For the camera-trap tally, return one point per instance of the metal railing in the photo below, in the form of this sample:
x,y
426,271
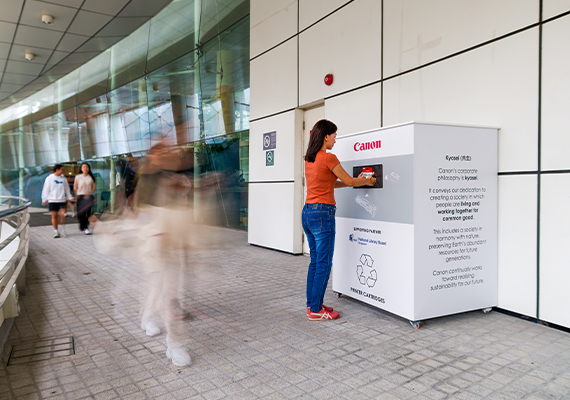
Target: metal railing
x,y
14,212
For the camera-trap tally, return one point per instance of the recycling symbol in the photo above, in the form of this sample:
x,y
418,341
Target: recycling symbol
x,y
368,276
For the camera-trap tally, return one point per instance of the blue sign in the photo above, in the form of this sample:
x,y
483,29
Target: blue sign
x,y
269,140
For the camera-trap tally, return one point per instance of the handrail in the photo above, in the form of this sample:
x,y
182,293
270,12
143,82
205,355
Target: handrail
x,y
18,217
24,203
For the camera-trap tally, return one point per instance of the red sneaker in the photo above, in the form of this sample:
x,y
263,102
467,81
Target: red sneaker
x,y
327,309
322,315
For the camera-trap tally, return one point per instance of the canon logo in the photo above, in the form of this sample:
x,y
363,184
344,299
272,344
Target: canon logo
x,y
367,146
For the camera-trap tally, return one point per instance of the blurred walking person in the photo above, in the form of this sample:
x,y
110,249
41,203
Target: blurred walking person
x,y
162,205
84,187
56,194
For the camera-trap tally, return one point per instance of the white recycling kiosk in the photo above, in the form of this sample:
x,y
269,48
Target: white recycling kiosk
x,y
422,243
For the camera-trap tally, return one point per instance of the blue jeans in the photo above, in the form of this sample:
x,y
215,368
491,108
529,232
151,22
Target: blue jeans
x,y
319,226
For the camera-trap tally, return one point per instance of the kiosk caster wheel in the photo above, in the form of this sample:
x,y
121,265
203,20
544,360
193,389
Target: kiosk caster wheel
x,y
337,294
416,324
487,310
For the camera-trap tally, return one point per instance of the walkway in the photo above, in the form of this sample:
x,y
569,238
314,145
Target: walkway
x,y
249,337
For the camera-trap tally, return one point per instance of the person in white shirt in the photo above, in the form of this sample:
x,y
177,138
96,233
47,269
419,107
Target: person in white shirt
x,y
84,187
55,193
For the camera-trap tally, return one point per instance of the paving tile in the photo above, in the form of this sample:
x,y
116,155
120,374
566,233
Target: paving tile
x,y
239,354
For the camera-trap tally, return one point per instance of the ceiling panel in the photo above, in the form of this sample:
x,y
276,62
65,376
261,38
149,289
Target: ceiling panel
x,y
33,10
122,26
88,23
10,87
37,37
11,10
70,42
63,69
35,87
4,50
143,8
24,67
79,58
52,76
110,7
7,30
45,80
99,44
80,31
56,57
18,53
68,3
17,79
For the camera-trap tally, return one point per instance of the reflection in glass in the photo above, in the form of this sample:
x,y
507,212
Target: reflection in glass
x,y
110,111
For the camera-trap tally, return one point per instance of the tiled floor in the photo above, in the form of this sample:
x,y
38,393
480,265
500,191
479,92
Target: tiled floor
x,y
249,336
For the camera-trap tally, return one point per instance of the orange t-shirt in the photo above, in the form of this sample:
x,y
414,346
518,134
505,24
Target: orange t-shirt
x,y
320,178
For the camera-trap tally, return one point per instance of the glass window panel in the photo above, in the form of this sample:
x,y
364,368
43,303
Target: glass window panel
x,y
128,57
224,67
217,16
93,77
9,149
174,108
67,124
93,120
41,103
172,32
45,142
66,90
33,184
128,109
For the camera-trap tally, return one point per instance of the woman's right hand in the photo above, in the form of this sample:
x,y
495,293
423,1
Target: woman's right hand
x,y
371,180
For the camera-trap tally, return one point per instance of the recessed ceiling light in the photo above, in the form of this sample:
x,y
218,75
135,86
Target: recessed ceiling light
x,y
47,19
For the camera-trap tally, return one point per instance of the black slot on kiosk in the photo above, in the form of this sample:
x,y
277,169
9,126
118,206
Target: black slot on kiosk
x,y
366,170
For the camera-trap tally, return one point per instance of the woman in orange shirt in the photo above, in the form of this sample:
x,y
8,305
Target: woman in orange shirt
x,y
322,174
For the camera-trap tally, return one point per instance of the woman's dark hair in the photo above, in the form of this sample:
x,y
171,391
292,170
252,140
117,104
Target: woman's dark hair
x,y
90,173
321,129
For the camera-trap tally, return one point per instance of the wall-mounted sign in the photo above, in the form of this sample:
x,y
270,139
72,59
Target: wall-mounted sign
x,y
269,140
269,158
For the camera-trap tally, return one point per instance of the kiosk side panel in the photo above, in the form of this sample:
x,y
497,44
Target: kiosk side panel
x,y
455,209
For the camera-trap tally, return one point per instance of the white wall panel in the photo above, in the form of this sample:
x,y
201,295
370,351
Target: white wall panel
x,y
555,133
494,85
310,11
551,8
554,295
271,22
275,216
287,159
346,44
273,80
418,31
356,111
517,243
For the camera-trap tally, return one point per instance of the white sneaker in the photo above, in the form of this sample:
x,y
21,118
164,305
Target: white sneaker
x,y
150,327
179,356
87,231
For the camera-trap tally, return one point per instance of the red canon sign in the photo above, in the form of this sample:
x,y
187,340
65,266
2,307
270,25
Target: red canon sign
x,y
367,146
